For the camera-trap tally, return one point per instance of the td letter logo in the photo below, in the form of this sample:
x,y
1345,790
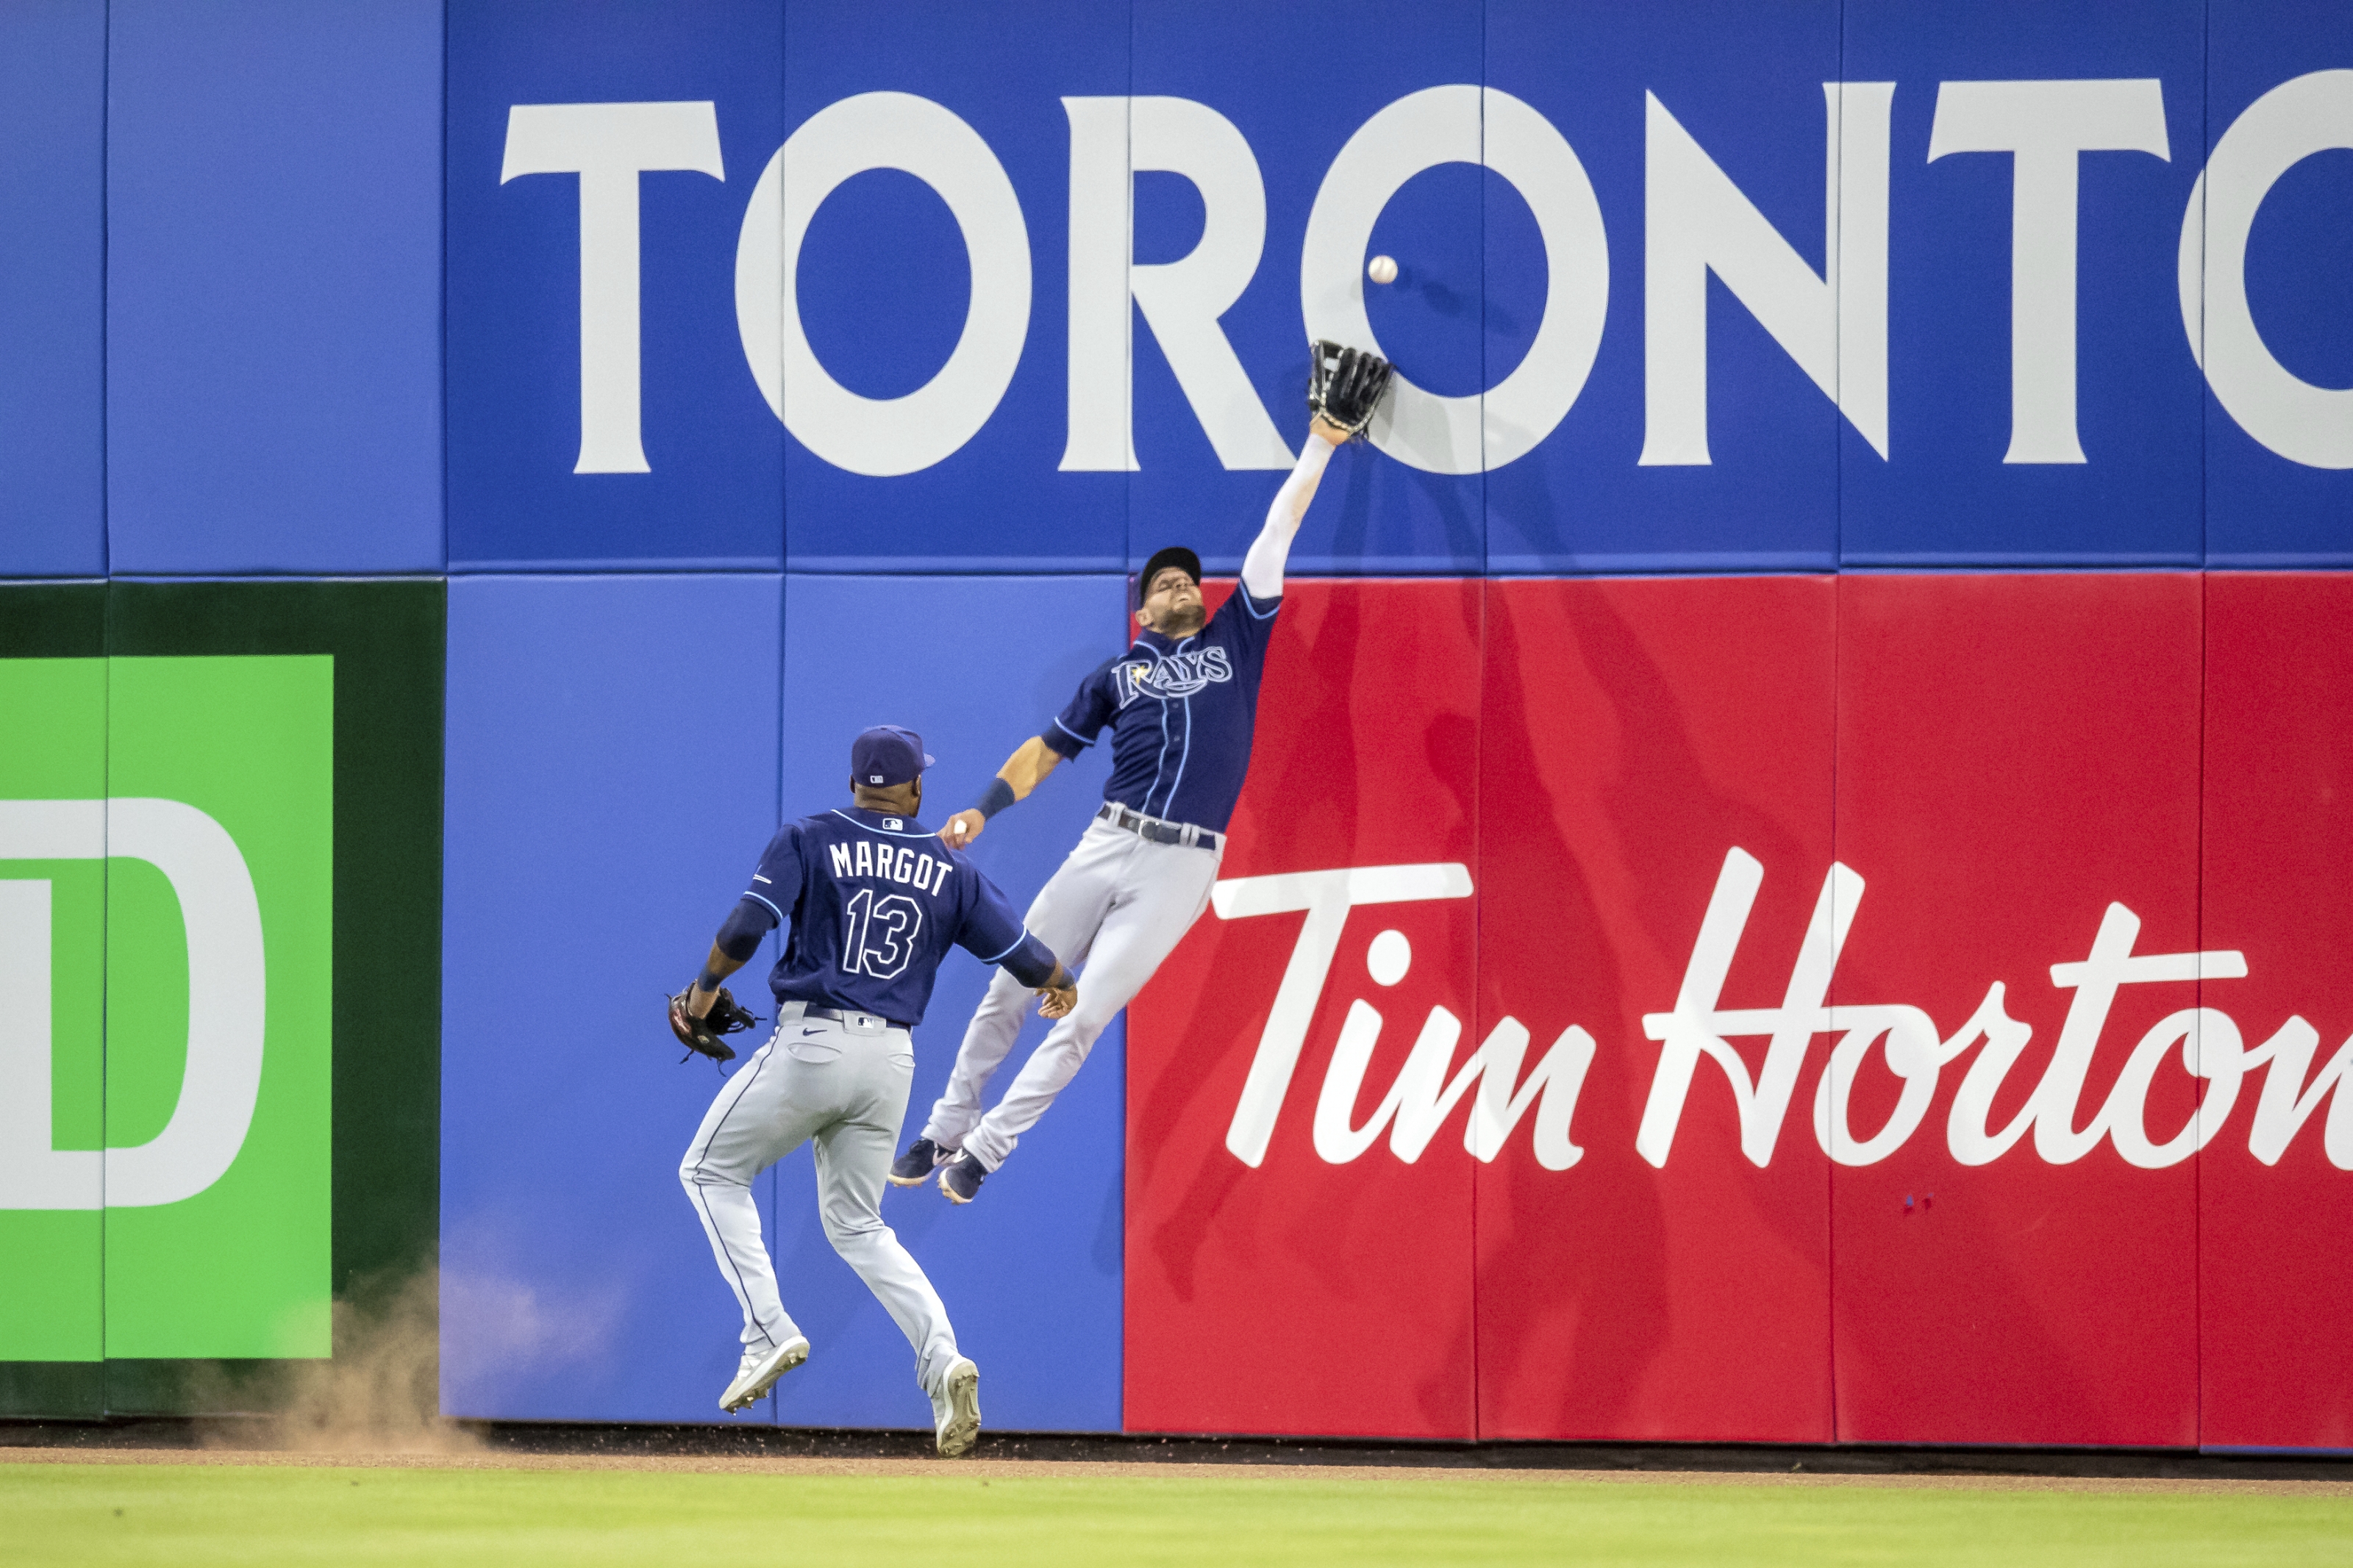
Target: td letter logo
x,y
222,922
166,912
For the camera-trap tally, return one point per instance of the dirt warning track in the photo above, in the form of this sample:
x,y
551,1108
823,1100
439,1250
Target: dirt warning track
x,y
478,1458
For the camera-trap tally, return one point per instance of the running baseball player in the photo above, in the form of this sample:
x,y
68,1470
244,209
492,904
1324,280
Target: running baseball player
x,y
874,901
1181,704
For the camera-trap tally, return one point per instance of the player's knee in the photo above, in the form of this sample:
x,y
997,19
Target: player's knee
x,y
849,1229
695,1171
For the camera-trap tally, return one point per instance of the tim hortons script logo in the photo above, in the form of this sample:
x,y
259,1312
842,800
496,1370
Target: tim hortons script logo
x,y
1423,1095
2207,1040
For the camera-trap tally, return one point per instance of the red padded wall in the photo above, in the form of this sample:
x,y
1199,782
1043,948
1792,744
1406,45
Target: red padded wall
x,y
2275,1272
2014,753
2001,768
1301,1295
1636,731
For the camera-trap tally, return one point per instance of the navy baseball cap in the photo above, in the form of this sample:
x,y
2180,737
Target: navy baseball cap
x,y
887,754
1175,555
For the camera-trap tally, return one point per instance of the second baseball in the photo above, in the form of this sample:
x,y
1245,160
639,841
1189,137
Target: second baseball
x,y
1381,269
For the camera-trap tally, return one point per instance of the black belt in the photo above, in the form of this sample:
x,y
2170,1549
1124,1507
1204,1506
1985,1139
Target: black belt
x,y
838,1016
1156,830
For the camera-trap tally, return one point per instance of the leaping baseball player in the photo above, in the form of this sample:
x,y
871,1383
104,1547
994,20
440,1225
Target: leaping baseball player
x,y
874,901
1181,704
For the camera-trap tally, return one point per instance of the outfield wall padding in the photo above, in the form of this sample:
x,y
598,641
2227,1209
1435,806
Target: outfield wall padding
x,y
1869,469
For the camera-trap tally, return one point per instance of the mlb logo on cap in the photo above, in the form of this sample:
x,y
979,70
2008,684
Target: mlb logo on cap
x,y
887,754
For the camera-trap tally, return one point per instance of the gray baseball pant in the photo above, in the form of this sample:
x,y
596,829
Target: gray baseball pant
x,y
1118,905
842,1085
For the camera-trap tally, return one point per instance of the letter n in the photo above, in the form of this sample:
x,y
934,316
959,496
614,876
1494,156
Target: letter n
x,y
1834,324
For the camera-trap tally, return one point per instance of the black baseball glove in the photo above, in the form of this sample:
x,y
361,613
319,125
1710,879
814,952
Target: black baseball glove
x,y
700,1035
1344,386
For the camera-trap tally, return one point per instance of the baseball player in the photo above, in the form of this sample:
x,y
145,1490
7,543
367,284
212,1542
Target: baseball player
x,y
874,901
1181,704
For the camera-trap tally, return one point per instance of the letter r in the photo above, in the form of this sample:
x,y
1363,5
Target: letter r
x,y
1113,140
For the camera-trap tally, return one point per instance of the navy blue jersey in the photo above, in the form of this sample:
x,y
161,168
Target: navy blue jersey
x,y
875,902
1182,713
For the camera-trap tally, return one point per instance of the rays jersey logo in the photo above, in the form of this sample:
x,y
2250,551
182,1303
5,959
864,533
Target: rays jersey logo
x,y
1174,675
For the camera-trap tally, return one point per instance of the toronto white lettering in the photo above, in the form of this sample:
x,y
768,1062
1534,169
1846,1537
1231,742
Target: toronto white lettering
x,y
2301,421
608,145
1697,224
2045,126
1113,140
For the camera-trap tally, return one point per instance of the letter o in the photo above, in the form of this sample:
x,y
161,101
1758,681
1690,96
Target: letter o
x,y
1464,124
891,435
2303,423
2211,1049
1914,1054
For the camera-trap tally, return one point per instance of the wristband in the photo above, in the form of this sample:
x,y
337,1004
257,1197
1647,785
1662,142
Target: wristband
x,y
706,981
994,799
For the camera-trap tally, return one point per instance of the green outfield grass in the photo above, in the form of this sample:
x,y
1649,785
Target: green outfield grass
x,y
188,1515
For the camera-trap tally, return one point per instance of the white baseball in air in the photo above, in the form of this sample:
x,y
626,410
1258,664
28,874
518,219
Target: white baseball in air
x,y
1381,269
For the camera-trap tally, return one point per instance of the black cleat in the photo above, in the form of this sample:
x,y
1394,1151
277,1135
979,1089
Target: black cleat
x,y
914,1167
961,1179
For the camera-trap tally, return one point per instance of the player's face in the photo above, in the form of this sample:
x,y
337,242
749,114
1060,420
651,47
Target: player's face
x,y
1172,605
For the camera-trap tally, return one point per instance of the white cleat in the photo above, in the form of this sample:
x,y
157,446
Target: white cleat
x,y
760,1371
957,1412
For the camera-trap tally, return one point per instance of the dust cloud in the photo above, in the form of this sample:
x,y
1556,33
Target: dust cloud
x,y
379,1394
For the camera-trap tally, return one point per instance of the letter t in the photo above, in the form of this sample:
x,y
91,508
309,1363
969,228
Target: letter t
x,y
2111,966
608,145
2043,125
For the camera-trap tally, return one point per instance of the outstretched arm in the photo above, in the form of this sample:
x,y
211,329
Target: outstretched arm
x,y
1262,567
1024,771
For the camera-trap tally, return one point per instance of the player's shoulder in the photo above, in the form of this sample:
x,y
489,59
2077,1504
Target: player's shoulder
x,y
821,827
1241,613
788,834
1134,649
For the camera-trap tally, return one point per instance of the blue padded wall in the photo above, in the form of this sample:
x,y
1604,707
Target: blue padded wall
x,y
885,283
884,286
1944,494
2262,509
712,496
53,289
1031,1276
612,778
273,341
1744,81
1247,63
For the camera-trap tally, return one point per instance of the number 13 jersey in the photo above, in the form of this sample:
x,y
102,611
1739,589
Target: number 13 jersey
x,y
874,903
